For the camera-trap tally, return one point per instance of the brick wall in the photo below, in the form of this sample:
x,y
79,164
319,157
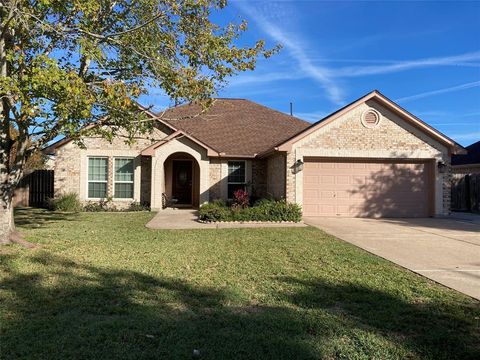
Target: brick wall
x,y
71,167
276,176
215,179
347,137
259,178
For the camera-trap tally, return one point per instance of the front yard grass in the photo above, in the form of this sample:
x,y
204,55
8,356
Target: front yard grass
x,y
102,286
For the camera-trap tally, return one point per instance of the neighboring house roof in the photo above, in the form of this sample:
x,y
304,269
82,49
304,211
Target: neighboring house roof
x,y
235,127
472,156
386,102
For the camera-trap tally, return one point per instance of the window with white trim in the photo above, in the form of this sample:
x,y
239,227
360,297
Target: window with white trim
x,y
123,178
97,177
236,177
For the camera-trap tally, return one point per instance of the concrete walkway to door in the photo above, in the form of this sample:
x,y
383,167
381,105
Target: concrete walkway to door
x,y
446,250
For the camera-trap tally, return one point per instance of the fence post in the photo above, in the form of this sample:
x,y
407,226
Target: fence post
x,y
468,198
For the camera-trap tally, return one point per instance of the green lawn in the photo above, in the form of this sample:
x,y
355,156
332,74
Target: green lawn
x,y
102,286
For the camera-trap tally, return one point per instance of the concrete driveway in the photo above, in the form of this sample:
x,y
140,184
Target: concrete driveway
x,y
446,250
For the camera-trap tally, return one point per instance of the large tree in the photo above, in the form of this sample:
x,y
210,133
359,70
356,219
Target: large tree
x,y
67,64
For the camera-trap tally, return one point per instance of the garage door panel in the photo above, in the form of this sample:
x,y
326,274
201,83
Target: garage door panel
x,y
327,195
311,196
343,195
342,179
312,179
366,188
327,179
326,165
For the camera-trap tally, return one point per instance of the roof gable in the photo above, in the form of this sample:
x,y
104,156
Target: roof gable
x,y
387,103
150,150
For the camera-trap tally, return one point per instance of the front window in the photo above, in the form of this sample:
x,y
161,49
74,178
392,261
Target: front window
x,y
236,177
97,177
123,180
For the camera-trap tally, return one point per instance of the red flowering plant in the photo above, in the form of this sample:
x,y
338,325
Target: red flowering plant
x,y
241,199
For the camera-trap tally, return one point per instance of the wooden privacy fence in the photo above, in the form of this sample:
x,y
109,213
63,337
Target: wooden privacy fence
x,y
34,189
466,192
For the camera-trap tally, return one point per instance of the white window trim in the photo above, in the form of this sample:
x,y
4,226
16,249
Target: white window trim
x,y
244,175
96,181
124,182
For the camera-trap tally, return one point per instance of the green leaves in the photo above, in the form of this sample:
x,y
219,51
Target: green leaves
x,y
72,63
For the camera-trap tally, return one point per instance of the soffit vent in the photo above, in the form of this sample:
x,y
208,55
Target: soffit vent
x,y
370,118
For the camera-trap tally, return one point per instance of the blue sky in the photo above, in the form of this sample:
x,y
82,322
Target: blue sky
x,y
425,55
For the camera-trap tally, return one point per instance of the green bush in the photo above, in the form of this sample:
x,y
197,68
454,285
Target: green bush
x,y
136,206
67,202
263,210
215,212
94,207
101,205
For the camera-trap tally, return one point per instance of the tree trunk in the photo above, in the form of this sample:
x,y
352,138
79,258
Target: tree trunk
x,y
8,233
7,224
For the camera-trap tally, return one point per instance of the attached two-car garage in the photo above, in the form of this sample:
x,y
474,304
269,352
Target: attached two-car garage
x,y
367,188
371,158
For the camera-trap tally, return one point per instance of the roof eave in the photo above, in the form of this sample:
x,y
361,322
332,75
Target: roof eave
x,y
453,147
150,150
268,152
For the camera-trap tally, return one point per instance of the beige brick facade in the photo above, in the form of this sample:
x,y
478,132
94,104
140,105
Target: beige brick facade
x,y
259,178
347,137
276,176
216,188
71,165
218,176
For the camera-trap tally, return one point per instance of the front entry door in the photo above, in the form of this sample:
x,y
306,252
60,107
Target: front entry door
x,y
182,182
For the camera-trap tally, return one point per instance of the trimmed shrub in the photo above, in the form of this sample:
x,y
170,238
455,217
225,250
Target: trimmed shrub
x,y
136,206
214,212
101,205
67,202
263,210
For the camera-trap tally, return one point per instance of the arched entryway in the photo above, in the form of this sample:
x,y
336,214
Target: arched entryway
x,y
182,179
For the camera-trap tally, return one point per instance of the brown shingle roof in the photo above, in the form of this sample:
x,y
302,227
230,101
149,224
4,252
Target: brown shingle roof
x,y
235,126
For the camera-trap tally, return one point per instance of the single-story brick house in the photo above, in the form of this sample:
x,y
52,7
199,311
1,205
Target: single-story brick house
x,y
370,158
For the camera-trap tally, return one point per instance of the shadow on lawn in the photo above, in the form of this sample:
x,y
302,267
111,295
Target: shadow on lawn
x,y
33,218
437,330
71,310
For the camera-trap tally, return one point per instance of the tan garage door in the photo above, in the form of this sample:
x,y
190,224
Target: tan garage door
x,y
367,188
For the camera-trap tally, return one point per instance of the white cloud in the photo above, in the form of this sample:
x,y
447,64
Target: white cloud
x,y
353,71
241,80
443,114
291,42
474,136
440,91
278,20
310,116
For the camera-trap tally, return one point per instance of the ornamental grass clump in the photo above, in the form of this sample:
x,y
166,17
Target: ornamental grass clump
x,y
66,203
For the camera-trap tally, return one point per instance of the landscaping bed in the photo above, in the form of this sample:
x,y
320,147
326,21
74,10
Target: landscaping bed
x,y
241,211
